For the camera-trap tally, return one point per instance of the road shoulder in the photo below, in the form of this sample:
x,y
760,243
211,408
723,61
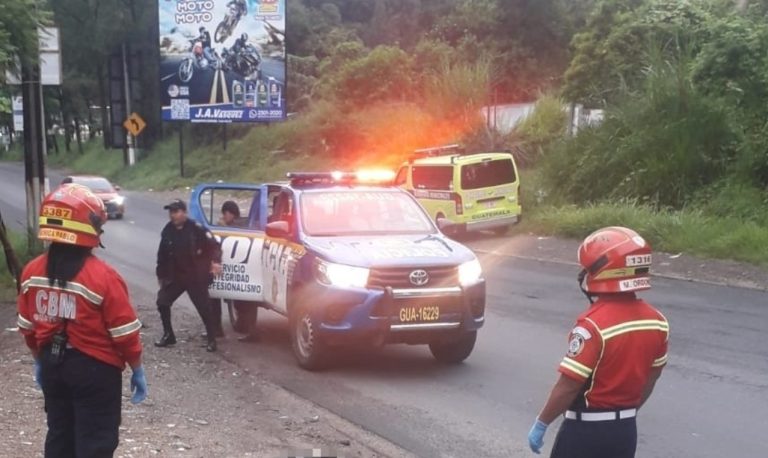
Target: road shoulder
x,y
678,266
199,404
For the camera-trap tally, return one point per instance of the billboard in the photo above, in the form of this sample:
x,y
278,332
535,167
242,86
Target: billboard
x,y
222,61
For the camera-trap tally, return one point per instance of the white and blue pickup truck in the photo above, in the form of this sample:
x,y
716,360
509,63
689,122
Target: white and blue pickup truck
x,y
346,263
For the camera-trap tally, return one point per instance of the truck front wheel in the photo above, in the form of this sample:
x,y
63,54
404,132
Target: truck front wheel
x,y
308,348
454,350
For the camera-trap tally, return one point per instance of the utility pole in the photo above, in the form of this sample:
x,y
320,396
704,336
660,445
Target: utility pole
x,y
42,151
34,146
130,157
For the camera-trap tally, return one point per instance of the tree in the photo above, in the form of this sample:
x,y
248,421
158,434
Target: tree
x,y
608,54
527,40
384,74
19,20
91,30
733,62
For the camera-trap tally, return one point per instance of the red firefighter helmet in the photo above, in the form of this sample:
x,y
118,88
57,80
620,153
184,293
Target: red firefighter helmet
x,y
615,260
72,214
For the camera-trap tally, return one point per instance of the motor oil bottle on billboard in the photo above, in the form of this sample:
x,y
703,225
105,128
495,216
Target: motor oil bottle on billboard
x,y
250,94
275,94
262,94
238,93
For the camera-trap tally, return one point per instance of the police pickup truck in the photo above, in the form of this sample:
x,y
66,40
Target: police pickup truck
x,y
346,263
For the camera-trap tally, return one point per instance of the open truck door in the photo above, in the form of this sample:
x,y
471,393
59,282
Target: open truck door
x,y
241,241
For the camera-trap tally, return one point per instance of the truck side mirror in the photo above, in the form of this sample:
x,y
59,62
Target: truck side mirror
x,y
278,230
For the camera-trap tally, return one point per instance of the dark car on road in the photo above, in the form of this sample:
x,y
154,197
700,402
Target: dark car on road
x,y
114,202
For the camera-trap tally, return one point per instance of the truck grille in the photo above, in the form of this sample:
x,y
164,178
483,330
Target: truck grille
x,y
400,277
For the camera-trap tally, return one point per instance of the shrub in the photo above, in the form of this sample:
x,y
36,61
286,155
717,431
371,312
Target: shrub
x,y
658,146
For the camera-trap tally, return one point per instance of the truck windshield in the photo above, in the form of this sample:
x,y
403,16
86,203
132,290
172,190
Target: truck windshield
x,y
362,213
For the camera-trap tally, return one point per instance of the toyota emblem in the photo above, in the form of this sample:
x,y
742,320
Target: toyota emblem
x,y
419,277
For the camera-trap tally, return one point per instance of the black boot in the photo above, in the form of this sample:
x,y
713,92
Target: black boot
x,y
167,340
168,337
211,345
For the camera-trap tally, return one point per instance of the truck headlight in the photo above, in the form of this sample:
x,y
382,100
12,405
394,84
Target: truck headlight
x,y
470,272
342,276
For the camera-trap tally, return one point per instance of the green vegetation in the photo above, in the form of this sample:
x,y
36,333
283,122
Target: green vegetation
x,y
690,231
681,153
7,283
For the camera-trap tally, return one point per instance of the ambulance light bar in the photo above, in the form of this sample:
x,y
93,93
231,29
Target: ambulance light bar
x,y
454,148
445,150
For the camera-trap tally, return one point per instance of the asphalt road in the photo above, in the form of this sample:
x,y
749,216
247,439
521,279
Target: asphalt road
x,y
709,403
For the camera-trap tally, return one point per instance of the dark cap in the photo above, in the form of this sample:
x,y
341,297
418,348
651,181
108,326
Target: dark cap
x,y
231,207
176,204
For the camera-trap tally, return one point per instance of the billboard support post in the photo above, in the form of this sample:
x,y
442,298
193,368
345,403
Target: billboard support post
x,y
181,149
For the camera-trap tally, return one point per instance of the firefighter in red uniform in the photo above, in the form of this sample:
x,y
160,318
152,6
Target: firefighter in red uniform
x,y
77,320
616,352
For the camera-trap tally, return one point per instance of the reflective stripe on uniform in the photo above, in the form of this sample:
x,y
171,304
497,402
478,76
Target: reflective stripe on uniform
x,y
72,287
659,361
631,326
575,366
24,323
68,224
125,329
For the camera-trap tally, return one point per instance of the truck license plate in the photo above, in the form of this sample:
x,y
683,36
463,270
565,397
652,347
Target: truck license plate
x,y
423,314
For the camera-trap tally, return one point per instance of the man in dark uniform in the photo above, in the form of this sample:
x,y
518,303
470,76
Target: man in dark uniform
x,y
247,313
187,260
616,352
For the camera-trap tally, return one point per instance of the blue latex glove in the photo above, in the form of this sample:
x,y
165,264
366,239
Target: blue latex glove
x,y
38,374
138,385
536,436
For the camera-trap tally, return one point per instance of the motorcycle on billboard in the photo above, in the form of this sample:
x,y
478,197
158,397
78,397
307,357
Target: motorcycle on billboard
x,y
198,60
237,9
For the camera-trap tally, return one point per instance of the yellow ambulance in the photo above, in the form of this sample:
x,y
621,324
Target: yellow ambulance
x,y
464,192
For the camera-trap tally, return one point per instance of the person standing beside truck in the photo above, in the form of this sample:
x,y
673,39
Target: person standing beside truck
x,y
187,260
